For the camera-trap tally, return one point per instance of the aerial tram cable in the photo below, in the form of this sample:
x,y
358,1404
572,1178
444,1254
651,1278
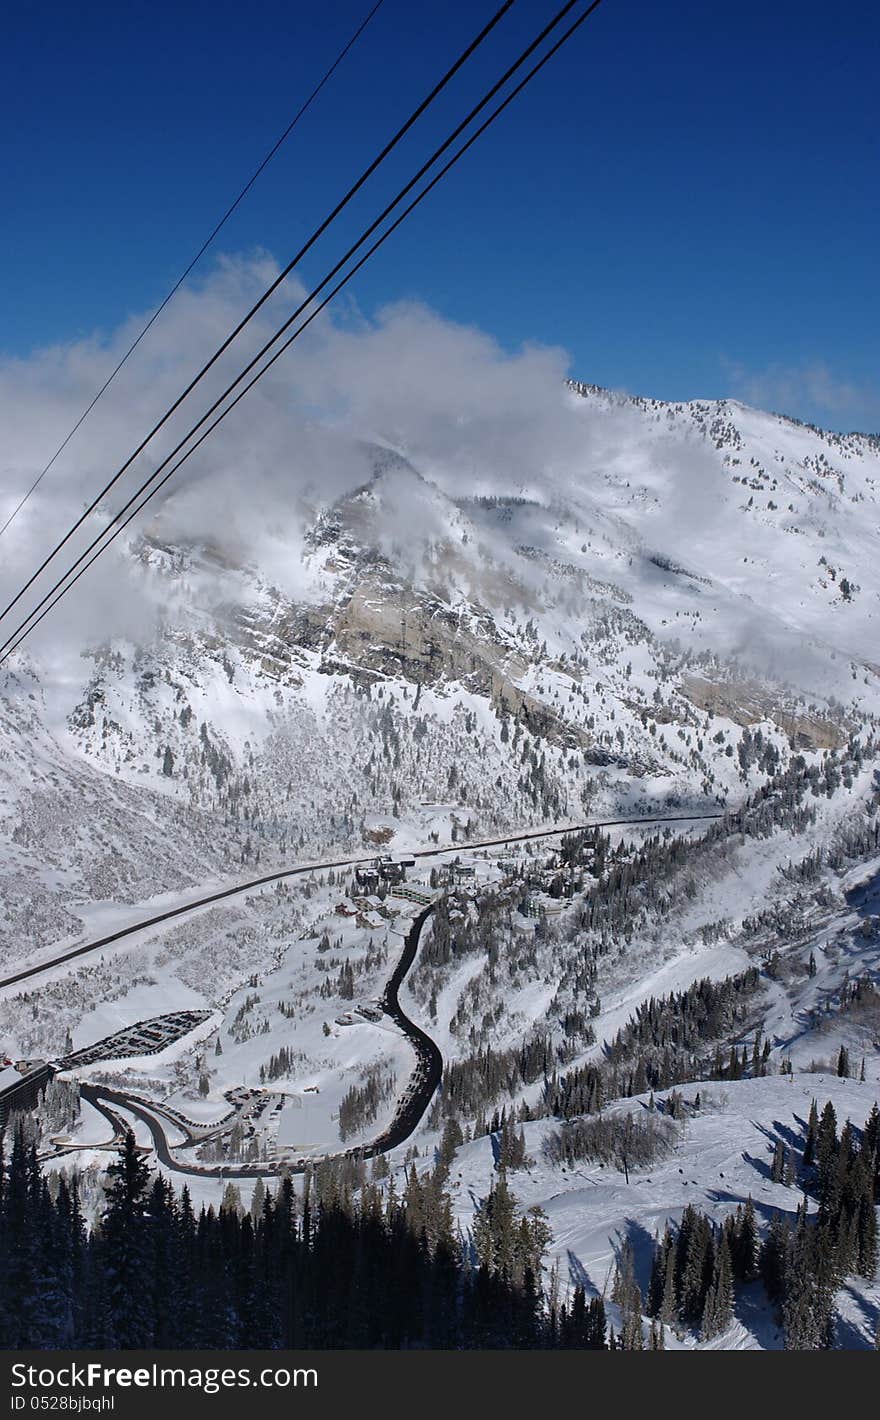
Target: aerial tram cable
x,y
319,231
300,113
55,594
60,590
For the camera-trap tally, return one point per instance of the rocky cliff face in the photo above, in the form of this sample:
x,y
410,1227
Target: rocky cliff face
x,y
669,626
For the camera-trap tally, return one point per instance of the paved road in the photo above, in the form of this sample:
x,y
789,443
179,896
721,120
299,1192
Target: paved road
x,y
429,1066
410,1109
118,1124
302,869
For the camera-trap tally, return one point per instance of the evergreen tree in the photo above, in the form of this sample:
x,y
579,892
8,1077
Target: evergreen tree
x,y
745,1256
694,1263
718,1306
826,1148
123,1250
774,1252
798,1294
812,1135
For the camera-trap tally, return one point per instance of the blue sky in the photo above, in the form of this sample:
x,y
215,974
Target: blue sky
x,y
686,200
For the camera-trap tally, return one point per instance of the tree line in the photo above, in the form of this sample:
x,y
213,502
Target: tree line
x,y
346,1264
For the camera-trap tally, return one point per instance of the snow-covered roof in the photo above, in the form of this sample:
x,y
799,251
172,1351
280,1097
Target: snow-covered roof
x,y
9,1076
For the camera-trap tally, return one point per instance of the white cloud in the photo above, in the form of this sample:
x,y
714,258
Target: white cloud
x,y
470,415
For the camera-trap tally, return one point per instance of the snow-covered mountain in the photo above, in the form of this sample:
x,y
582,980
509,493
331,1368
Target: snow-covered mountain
x,y
675,612
518,654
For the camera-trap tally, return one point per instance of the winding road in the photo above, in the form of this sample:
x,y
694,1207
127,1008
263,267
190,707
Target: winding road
x,y
410,1109
429,1062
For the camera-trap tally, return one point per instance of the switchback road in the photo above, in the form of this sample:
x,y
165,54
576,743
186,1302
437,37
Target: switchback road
x,y
429,1067
410,1109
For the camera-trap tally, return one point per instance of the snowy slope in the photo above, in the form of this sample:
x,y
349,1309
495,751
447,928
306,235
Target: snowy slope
x,y
676,615
722,1157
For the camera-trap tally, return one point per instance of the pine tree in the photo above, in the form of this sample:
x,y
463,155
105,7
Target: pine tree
x,y
596,1325
19,1251
774,1251
659,1262
708,1323
631,1337
123,1248
450,1140
746,1261
812,1136
626,1293
826,1148
669,1304
258,1200
694,1263
231,1201
871,1146
721,1290
495,1229
867,1235
624,1273
798,1308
